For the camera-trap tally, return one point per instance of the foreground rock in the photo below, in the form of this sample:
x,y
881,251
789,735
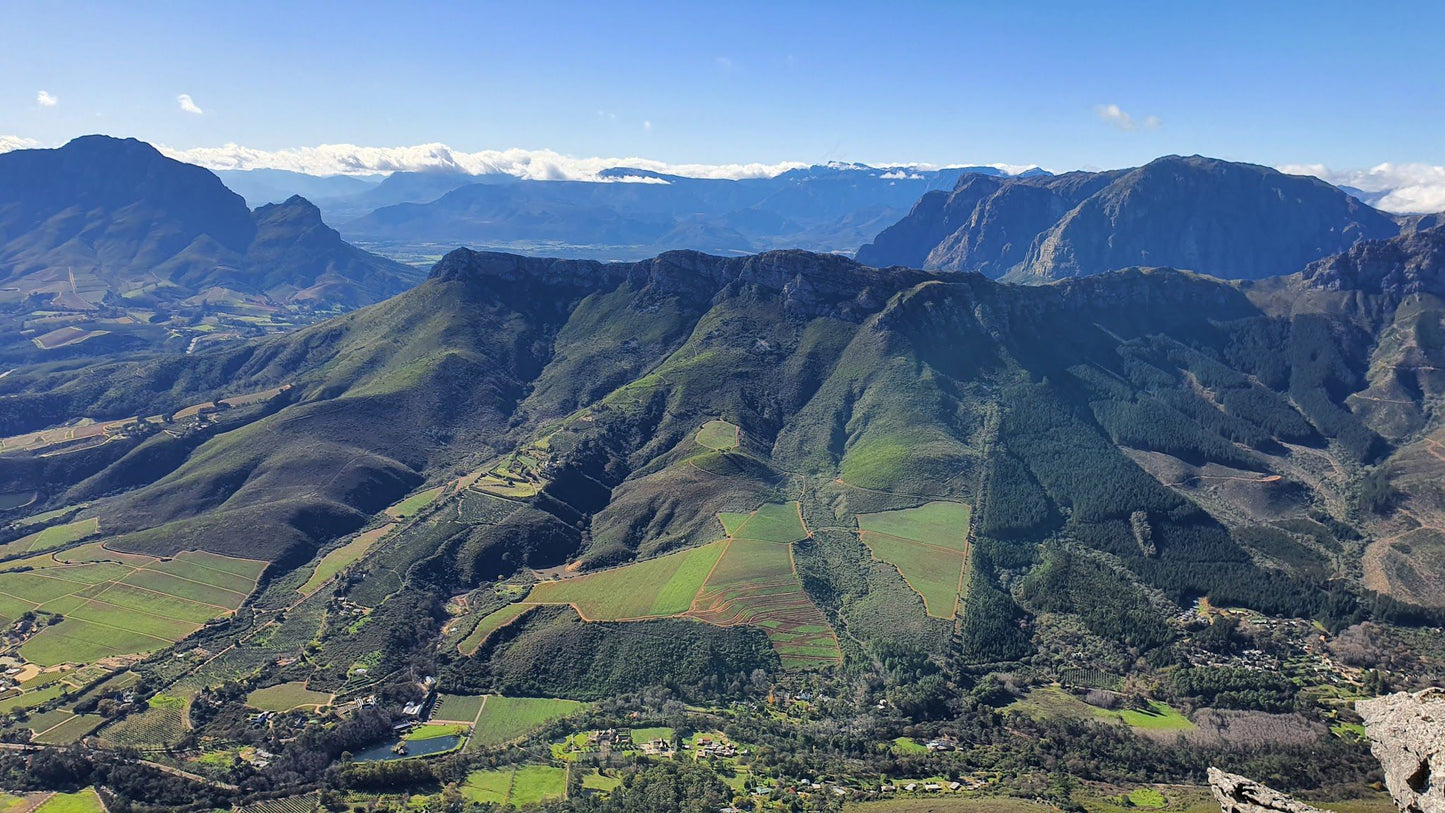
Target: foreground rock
x,y
1407,735
1236,794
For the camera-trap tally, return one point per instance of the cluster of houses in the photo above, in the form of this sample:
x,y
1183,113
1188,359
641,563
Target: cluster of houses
x,y
922,787
709,747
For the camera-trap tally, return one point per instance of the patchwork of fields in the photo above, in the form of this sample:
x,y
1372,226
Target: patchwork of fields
x,y
747,579
56,536
928,545
755,584
117,603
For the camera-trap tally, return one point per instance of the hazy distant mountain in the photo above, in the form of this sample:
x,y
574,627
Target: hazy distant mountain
x,y
1230,220
104,220
632,213
262,186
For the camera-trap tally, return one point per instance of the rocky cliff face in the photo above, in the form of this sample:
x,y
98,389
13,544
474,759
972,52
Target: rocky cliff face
x,y
1236,794
1407,735
1230,220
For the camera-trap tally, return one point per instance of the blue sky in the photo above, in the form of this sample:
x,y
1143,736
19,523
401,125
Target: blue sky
x,y
1339,84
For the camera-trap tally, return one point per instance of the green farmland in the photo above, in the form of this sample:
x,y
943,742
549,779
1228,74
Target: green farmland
x,y
116,604
504,719
718,435
522,785
927,545
772,522
286,696
489,624
649,589
340,558
754,584
56,536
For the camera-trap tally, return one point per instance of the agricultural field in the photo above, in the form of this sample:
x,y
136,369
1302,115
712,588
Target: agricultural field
x,y
489,624
163,723
504,719
287,696
928,546
458,708
1052,701
56,536
84,801
772,522
432,731
754,584
415,503
65,728
652,588
523,785
339,559
116,604
718,435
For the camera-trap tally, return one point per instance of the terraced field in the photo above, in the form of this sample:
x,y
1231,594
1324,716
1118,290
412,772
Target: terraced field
x,y
928,545
489,624
754,584
117,603
653,588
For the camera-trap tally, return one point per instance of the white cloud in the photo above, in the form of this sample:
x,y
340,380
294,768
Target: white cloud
x,y
1404,188
1115,115
44,99
188,105
12,142
351,159
647,125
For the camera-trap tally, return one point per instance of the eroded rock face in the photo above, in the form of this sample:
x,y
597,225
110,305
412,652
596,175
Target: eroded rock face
x,y
1407,735
1236,794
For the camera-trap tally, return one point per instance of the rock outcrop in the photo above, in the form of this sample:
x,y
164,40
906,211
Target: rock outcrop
x,y
1237,794
1407,735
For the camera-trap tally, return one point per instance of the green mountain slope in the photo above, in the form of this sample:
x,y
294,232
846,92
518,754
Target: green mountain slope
x,y
1174,434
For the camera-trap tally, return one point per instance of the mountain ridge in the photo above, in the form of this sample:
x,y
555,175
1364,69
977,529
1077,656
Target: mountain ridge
x,y
1227,219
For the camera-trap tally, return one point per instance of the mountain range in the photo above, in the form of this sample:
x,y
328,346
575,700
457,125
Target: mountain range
x,y
1230,220
629,213
103,218
107,245
1132,518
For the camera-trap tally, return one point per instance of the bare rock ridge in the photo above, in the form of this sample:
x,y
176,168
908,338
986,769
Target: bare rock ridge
x,y
1407,735
1236,794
